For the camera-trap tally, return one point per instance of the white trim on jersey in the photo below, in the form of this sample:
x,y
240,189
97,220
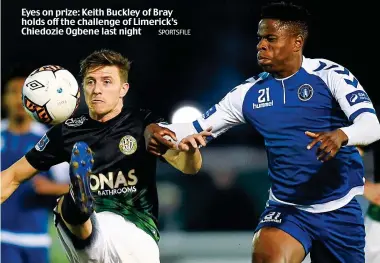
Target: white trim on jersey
x,y
364,131
221,117
351,97
227,113
342,84
325,207
25,240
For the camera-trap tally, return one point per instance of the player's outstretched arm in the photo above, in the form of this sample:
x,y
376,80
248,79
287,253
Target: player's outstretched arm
x,y
184,155
12,177
187,157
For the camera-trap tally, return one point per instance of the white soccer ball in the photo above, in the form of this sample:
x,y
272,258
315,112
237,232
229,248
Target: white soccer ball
x,y
50,94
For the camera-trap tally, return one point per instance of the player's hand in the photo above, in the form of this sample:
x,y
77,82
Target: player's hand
x,y
155,142
372,192
192,142
331,142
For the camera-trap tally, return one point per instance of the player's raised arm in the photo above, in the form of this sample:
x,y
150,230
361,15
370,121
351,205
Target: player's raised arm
x,y
171,140
12,177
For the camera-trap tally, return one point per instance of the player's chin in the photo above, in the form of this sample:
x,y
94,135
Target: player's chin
x,y
99,109
264,62
267,67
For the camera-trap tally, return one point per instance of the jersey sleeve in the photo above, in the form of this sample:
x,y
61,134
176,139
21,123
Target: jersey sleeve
x,y
48,151
225,114
221,117
349,93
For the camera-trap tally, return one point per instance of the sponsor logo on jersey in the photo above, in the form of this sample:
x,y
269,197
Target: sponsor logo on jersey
x,y
305,92
273,217
263,100
209,112
357,96
41,145
114,183
128,145
262,105
75,122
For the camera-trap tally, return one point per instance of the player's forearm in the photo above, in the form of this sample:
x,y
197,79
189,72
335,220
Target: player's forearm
x,y
365,130
186,162
54,189
8,184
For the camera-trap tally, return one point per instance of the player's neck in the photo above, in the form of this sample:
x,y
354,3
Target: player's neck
x,y
291,67
108,116
19,127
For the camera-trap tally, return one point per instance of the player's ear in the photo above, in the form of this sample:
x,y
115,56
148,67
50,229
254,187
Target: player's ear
x,y
298,43
124,89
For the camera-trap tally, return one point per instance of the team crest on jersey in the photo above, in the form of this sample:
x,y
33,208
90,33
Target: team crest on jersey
x,y
128,145
41,145
305,92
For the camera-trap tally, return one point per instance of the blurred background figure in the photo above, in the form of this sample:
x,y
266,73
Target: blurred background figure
x,y
25,216
372,217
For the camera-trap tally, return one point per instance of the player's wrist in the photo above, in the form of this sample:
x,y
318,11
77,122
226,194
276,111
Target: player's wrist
x,y
343,136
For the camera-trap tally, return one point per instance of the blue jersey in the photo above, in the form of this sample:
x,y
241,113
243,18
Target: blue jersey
x,y
321,96
24,216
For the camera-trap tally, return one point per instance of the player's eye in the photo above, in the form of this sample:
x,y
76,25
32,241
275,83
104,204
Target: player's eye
x,y
90,82
107,81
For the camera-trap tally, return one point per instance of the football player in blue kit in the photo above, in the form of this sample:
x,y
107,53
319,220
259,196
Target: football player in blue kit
x,y
24,218
312,113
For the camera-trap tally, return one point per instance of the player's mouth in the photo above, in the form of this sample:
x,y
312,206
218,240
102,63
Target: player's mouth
x,y
96,101
263,60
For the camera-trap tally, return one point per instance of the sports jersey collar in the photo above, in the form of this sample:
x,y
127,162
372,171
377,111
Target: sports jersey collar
x,y
114,119
288,77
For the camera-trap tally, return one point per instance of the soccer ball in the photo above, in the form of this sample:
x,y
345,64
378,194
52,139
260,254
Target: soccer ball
x,y
50,94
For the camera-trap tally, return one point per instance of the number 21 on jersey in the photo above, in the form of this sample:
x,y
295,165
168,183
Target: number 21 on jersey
x,y
263,95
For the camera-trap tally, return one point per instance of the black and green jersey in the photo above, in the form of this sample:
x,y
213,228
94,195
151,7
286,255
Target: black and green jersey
x,y
123,179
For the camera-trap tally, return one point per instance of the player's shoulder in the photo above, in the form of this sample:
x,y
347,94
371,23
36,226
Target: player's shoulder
x,y
260,78
251,82
135,111
324,67
329,71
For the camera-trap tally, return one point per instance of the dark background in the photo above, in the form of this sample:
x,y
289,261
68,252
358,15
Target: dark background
x,y
199,69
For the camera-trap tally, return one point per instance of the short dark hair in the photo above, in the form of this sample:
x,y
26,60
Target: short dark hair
x,y
290,14
104,58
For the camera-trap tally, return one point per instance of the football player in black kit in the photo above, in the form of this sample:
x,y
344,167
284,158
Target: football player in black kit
x,y
110,213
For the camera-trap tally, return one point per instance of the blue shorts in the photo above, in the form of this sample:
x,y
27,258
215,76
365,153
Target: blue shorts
x,y
335,236
17,254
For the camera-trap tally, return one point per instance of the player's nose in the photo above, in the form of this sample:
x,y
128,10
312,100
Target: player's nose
x,y
97,89
261,45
